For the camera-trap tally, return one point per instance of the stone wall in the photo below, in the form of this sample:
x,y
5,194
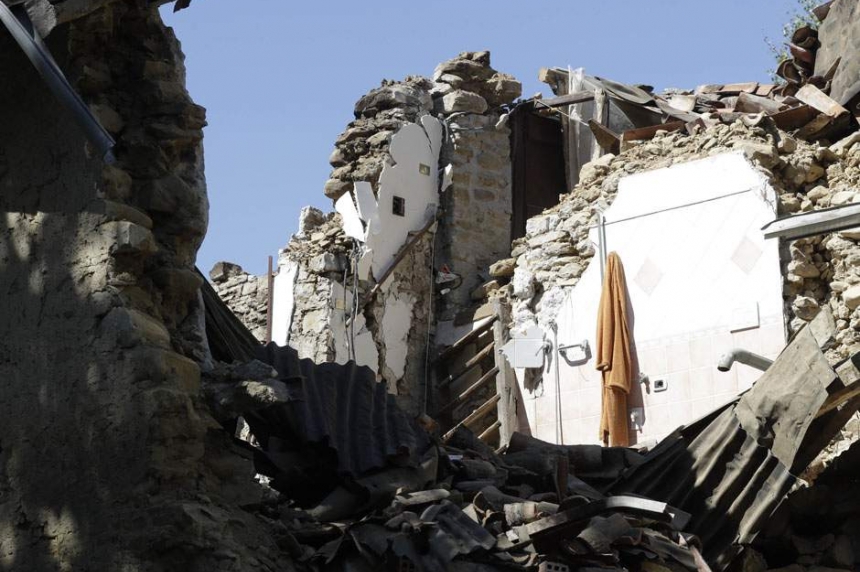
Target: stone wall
x,y
469,96
477,224
108,458
817,272
245,294
321,252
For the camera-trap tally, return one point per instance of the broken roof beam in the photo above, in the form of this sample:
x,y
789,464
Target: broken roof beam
x,y
608,140
562,100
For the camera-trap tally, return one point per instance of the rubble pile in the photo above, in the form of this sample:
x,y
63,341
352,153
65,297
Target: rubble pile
x,y
518,511
817,528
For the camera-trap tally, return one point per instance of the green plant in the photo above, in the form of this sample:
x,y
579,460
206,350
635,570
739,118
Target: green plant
x,y
800,16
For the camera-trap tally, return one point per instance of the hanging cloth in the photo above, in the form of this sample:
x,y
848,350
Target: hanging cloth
x,y
615,354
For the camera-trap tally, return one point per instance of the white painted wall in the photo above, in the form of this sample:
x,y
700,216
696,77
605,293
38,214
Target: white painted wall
x,y
283,302
695,275
413,176
365,348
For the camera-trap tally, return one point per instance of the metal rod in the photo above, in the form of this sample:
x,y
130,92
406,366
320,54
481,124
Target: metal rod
x,y
270,298
21,28
601,239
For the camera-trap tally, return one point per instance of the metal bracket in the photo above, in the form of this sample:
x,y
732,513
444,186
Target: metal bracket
x,y
583,345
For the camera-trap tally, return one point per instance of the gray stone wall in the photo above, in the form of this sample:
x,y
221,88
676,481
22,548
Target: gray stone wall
x,y
476,230
108,458
246,295
321,251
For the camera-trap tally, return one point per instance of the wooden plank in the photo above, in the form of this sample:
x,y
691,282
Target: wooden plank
x,y
404,250
600,117
485,436
839,398
470,365
506,381
569,99
608,140
482,411
465,340
814,97
571,131
460,399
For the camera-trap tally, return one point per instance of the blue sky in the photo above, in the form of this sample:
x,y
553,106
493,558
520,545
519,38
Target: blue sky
x,y
279,78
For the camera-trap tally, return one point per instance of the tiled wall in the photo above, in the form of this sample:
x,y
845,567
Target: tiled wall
x,y
701,279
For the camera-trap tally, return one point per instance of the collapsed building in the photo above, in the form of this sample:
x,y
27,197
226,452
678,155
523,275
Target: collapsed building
x,y
428,400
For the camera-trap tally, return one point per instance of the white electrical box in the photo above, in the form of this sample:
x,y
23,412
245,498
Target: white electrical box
x,y
527,350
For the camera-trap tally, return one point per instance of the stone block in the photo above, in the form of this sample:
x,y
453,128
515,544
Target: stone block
x,y
523,283
163,366
466,101
851,297
335,188
552,236
484,290
327,262
108,117
130,328
764,153
503,268
116,183
502,89
129,238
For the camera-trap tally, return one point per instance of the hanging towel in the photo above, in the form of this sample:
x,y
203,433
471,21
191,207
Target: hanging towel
x,y
615,357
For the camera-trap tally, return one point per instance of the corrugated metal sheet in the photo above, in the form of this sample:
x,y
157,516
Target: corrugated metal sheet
x,y
341,407
344,408
730,469
716,472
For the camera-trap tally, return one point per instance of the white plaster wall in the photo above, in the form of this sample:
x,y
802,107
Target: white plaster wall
x,y
414,176
283,302
695,275
365,349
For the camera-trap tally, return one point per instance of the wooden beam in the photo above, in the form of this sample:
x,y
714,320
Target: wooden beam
x,y
396,262
465,340
601,114
460,399
569,99
489,431
608,140
646,133
838,398
470,365
506,381
476,415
